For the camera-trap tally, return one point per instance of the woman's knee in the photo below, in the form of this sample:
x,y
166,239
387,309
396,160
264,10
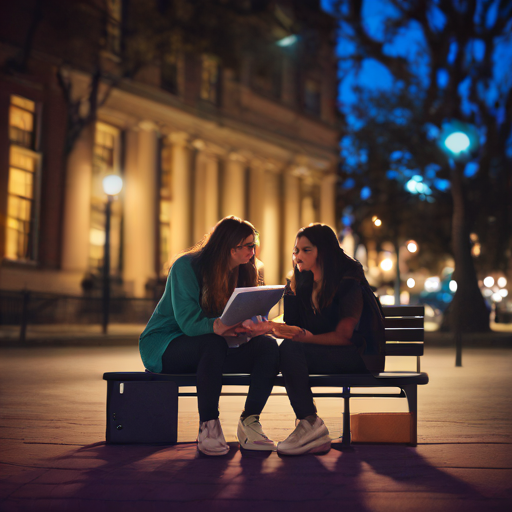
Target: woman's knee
x,y
266,347
213,344
290,348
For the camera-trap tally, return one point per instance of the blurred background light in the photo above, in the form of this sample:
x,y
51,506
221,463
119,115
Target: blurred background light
x,y
386,264
502,282
453,286
112,184
489,281
412,246
387,300
503,292
457,142
416,186
432,284
411,283
287,41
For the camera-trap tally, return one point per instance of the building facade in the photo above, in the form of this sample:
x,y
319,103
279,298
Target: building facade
x,y
193,142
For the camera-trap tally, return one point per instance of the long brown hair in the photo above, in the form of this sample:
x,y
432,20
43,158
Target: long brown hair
x,y
212,257
331,258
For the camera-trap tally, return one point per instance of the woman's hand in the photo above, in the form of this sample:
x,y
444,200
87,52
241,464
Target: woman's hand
x,y
304,336
228,330
258,328
291,332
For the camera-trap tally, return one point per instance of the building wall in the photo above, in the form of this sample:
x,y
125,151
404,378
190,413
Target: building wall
x,y
251,155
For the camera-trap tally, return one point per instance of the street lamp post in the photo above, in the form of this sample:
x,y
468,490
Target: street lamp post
x,y
112,185
458,142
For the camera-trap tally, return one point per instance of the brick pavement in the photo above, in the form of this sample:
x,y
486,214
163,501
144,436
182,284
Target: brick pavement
x,y
53,456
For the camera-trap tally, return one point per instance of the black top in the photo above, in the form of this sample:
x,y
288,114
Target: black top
x,y
348,302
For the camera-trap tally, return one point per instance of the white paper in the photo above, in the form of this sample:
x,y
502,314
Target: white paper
x,y
245,303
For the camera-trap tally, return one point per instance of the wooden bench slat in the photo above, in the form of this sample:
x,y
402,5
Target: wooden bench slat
x,y
403,323
392,379
404,334
404,349
403,310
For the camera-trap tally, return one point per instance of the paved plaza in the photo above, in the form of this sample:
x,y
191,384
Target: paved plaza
x,y
53,455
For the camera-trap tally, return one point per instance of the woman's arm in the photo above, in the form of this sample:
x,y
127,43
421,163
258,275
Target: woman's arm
x,y
351,307
341,336
187,309
185,300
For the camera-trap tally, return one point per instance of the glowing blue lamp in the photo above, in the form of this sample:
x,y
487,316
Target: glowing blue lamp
x,y
287,41
457,142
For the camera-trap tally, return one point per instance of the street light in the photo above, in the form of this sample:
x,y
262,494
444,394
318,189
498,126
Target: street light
x,y
112,185
457,142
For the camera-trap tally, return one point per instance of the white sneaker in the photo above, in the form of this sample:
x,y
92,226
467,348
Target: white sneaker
x,y
210,439
306,438
251,437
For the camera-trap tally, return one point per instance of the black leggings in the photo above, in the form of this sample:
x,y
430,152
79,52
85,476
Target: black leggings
x,y
299,360
208,356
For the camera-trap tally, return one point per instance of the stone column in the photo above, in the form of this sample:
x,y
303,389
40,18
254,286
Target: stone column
x,y
181,228
198,210
291,218
140,207
270,235
307,204
206,193
256,194
328,200
211,185
77,204
233,190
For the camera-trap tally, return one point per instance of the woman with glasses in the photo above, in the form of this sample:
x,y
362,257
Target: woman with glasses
x,y
186,335
330,315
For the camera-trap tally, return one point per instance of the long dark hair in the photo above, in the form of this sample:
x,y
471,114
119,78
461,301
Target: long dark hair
x,y
331,258
213,256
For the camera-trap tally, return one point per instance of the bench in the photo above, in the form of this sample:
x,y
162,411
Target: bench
x,y
142,407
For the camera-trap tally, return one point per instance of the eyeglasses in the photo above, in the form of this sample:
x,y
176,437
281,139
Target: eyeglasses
x,y
249,246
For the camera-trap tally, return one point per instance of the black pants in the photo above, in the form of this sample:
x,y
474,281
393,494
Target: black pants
x,y
208,356
299,360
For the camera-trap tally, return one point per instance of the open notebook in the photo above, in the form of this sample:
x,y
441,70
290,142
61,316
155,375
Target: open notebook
x,y
252,303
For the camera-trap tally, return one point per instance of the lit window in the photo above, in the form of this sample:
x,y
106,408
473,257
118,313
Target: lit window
x,y
24,164
210,79
106,160
169,73
21,122
266,75
164,212
312,96
114,8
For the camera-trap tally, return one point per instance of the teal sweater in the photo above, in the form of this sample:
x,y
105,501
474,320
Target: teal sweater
x,y
178,312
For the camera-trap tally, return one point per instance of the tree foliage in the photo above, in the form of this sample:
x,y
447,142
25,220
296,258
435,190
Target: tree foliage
x,y
437,65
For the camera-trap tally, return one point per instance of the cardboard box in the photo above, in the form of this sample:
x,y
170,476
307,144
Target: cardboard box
x,y
394,427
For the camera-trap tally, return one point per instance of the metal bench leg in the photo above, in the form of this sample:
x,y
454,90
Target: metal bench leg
x,y
345,435
411,392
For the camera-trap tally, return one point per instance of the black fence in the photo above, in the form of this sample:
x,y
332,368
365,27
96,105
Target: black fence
x,y
34,308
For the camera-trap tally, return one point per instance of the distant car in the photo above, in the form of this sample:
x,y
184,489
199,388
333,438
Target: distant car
x,y
441,298
503,312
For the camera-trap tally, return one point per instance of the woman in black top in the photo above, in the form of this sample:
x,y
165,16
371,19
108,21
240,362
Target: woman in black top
x,y
323,303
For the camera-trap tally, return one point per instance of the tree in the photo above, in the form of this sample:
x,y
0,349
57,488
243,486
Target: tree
x,y
445,62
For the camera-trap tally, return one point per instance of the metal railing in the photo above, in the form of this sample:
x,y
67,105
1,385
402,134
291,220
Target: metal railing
x,y
25,308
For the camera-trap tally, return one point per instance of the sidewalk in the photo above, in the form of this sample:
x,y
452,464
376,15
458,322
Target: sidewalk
x,y
128,334
53,456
